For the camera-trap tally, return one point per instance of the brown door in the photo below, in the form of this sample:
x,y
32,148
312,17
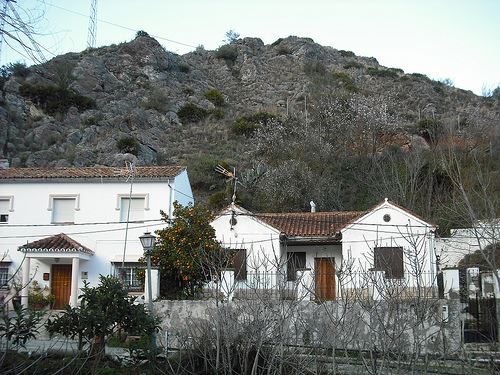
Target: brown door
x,y
61,284
324,272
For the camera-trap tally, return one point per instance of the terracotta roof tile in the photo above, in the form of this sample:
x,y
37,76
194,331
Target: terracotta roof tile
x,y
310,224
88,172
55,244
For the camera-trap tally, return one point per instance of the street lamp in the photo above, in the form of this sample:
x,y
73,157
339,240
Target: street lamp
x,y
148,242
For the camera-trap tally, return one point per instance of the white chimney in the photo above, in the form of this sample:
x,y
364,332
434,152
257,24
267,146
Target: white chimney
x,y
4,163
313,206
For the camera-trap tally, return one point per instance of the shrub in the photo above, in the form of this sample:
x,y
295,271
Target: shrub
x,y
157,100
376,72
141,33
128,145
184,68
314,67
55,99
218,113
353,65
247,125
419,76
430,129
345,53
347,81
190,112
283,50
18,69
227,52
215,97
218,200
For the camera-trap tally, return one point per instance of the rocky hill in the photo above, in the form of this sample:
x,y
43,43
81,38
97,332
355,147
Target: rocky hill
x,y
136,101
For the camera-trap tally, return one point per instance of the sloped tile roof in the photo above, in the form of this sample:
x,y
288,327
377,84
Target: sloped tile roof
x,y
55,244
310,224
88,172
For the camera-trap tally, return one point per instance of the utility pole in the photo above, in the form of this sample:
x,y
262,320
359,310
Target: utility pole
x,y
92,34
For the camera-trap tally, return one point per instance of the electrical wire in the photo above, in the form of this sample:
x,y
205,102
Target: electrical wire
x,y
115,24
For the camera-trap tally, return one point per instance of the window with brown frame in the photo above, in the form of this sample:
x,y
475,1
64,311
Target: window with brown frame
x,y
296,261
239,263
389,260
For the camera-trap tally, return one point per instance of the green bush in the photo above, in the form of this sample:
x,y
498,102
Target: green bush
x,y
247,125
217,200
215,97
283,50
218,113
419,76
314,67
347,81
141,33
353,65
376,72
190,112
128,145
54,99
345,53
227,52
184,68
18,69
430,129
157,100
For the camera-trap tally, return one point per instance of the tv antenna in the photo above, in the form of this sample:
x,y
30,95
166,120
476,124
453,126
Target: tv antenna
x,y
92,35
231,177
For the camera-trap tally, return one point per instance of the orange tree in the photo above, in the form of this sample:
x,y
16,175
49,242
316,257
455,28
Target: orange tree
x,y
186,252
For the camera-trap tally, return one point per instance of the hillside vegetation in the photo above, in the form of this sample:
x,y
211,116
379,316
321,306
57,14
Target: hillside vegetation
x,y
299,121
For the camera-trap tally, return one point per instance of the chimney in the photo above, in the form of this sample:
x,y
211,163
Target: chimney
x,y
313,206
4,163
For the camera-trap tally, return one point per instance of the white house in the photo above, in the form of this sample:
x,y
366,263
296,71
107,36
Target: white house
x,y
63,226
468,258
328,252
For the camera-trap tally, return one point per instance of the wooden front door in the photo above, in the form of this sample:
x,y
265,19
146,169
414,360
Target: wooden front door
x,y
61,284
324,272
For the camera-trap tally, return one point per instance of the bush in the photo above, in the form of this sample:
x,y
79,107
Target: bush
x,y
283,50
54,99
376,72
314,67
190,112
157,100
128,145
184,68
419,76
353,65
430,129
141,33
247,125
18,69
218,113
215,97
218,200
347,81
345,53
227,52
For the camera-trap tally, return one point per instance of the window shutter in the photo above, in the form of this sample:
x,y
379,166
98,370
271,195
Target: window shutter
x,y
63,210
136,209
240,264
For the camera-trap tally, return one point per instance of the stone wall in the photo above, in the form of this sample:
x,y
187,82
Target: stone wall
x,y
401,327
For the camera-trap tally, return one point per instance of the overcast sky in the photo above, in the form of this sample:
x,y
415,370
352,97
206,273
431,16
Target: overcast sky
x,y
456,39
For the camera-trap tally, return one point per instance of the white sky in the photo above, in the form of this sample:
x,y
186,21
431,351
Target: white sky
x,y
456,39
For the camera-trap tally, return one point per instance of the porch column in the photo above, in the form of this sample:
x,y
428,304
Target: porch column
x,y
75,272
26,282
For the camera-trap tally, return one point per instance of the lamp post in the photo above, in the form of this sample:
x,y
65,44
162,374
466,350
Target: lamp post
x,y
147,242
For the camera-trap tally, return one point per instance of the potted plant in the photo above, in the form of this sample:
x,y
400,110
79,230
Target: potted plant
x,y
38,297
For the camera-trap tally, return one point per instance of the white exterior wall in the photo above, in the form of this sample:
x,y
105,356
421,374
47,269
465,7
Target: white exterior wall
x,y
98,203
415,236
259,239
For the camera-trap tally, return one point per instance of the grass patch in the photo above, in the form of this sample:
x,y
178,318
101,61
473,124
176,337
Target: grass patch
x,y
376,72
215,97
353,65
247,125
190,112
346,80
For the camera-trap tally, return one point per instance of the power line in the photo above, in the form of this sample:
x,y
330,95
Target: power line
x,y
116,25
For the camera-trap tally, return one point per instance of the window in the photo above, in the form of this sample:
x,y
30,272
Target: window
x,y
296,261
4,210
389,260
63,210
130,278
240,264
137,206
4,276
